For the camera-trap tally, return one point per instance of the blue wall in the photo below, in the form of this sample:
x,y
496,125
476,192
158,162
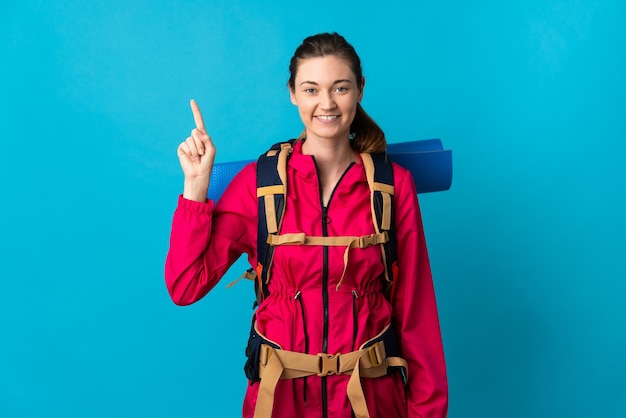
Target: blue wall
x,y
527,247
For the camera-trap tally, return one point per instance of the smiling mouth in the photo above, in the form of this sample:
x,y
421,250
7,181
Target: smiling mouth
x,y
326,118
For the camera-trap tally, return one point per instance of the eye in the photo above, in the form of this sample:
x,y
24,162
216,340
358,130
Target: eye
x,y
341,89
309,90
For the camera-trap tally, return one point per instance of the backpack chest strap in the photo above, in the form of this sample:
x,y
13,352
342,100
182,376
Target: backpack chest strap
x,y
301,238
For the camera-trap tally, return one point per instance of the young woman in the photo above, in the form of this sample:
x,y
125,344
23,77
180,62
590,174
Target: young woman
x,y
327,307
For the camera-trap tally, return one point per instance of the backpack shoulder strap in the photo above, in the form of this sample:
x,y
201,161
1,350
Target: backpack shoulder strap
x,y
271,192
379,172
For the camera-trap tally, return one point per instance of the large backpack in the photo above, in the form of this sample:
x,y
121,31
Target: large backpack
x,y
271,191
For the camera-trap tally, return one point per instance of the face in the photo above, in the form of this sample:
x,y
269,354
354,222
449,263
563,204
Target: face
x,y
326,93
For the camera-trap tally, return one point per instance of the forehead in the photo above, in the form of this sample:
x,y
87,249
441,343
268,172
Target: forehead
x,y
324,69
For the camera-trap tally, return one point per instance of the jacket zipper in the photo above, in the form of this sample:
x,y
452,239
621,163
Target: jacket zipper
x,y
298,297
325,278
325,302
355,324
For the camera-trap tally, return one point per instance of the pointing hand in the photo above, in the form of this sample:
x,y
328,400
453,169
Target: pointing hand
x,y
197,152
196,155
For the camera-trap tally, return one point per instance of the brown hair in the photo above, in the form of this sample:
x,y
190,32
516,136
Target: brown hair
x,y
369,137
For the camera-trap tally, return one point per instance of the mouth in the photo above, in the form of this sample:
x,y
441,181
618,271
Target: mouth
x,y
326,118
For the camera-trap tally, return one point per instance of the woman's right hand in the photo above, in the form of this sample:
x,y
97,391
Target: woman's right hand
x,y
196,155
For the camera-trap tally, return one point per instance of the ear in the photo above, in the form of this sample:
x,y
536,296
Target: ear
x,y
362,87
292,96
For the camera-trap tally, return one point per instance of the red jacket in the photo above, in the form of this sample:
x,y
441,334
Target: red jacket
x,y
206,240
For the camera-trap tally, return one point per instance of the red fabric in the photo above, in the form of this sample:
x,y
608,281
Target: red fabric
x,y
207,239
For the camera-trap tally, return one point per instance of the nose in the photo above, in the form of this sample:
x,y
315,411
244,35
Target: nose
x,y
326,101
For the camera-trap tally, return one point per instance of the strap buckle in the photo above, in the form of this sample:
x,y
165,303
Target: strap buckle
x,y
367,241
377,354
329,364
265,354
373,239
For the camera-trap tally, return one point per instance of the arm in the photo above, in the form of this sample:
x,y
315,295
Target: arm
x,y
206,239
415,309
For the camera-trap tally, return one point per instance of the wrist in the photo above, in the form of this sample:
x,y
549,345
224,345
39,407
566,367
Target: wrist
x,y
196,189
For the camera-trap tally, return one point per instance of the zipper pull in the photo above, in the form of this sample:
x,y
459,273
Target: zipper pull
x,y
326,219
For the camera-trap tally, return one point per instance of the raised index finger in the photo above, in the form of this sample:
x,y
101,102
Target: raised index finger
x,y
197,116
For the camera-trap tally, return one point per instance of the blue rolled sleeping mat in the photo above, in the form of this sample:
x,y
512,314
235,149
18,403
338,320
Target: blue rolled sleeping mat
x,y
428,162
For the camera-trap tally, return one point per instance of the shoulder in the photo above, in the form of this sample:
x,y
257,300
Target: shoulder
x,y
404,185
247,175
400,173
243,184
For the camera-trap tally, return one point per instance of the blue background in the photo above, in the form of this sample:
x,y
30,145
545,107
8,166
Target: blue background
x,y
527,248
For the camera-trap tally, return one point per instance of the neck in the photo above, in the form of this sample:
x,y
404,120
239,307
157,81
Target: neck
x,y
332,157
331,154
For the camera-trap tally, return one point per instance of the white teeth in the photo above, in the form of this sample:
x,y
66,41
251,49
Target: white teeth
x,y
326,117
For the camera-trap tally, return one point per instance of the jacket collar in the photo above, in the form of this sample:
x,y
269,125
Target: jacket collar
x,y
305,164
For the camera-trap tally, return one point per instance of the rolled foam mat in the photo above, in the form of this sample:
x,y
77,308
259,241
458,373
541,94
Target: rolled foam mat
x,y
428,162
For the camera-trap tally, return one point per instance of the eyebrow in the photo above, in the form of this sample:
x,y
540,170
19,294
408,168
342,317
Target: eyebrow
x,y
335,82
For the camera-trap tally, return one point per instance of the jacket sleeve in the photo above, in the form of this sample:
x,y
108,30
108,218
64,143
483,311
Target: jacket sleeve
x,y
415,309
207,238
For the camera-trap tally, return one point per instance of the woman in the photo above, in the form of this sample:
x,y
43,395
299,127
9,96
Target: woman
x,y
320,302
